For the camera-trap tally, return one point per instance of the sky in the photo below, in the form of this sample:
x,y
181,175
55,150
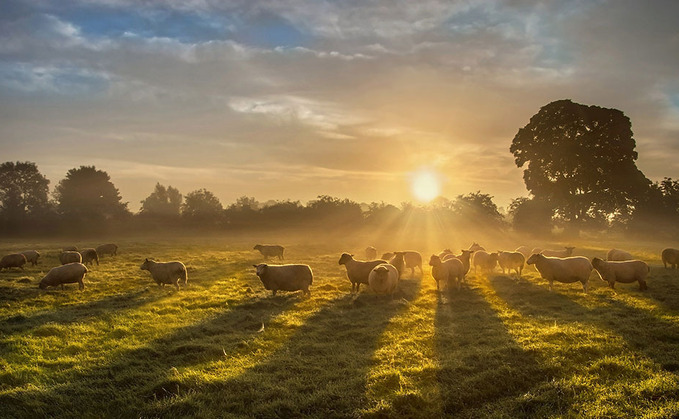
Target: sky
x,y
293,99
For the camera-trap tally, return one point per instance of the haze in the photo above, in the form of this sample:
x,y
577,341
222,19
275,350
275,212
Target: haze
x,y
291,99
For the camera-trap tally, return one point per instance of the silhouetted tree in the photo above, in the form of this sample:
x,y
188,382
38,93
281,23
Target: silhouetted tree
x,y
477,205
381,213
164,202
327,208
658,212
581,160
202,206
283,212
244,212
23,194
531,216
87,197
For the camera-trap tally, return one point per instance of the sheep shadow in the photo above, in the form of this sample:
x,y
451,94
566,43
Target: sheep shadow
x,y
479,360
655,337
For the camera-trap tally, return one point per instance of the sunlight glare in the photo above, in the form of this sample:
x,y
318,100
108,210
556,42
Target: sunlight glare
x,y
425,185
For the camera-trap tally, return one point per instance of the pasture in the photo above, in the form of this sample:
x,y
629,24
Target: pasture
x,y
224,347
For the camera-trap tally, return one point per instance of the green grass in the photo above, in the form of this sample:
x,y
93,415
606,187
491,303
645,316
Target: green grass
x,y
499,347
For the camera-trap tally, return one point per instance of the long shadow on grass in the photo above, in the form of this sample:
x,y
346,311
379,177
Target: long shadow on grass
x,y
480,361
321,371
655,337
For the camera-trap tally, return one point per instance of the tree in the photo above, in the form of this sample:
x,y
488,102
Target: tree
x,y
164,202
202,205
327,208
531,216
477,205
88,195
23,194
581,160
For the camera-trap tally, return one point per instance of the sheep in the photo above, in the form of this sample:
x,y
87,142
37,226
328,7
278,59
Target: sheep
x,y
387,255
270,250
511,260
165,272
622,271
485,260
475,247
70,257
559,253
566,270
285,277
31,256
535,250
413,260
89,255
65,274
525,251
14,260
451,269
617,254
445,252
107,249
69,249
670,257
383,279
464,258
358,271
398,262
370,253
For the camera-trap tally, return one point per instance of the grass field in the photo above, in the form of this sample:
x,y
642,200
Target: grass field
x,y
223,346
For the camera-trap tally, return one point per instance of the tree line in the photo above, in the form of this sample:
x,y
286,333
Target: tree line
x,y
580,173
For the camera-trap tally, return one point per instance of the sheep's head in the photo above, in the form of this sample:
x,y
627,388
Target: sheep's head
x,y
42,285
381,271
145,265
597,263
346,257
260,269
434,260
257,247
570,249
533,258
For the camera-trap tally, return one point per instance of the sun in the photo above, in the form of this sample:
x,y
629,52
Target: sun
x,y
425,185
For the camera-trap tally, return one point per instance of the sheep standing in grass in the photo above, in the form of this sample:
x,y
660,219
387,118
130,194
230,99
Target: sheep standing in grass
x,y
15,260
464,257
566,270
398,262
383,279
64,274
445,252
475,247
69,249
670,257
89,255
626,271
387,255
285,277
358,271
413,260
511,260
31,256
446,271
166,272
535,251
70,257
524,250
617,254
270,250
486,261
107,249
567,252
370,253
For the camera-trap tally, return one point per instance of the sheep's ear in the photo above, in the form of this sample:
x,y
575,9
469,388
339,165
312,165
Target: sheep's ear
x,y
146,260
352,255
254,266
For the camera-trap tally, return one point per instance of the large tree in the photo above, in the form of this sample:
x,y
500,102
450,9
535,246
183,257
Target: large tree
x,y
164,202
202,205
87,194
23,193
581,160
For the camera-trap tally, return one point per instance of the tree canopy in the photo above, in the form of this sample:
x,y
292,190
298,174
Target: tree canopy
x,y
581,160
201,204
88,194
162,202
23,193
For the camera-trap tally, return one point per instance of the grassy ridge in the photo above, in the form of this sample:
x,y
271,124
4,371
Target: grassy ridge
x,y
499,347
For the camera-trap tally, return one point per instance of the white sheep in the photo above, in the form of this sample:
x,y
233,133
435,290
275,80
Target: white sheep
x,y
617,254
398,262
107,249
670,257
535,250
445,252
31,256
448,271
413,260
14,260
626,271
270,250
511,260
358,271
64,274
463,257
566,270
567,252
387,255
89,255
370,253
285,277
525,251
475,247
166,272
70,256
383,279
485,260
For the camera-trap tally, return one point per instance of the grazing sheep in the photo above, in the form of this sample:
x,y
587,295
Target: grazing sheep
x,y
447,271
107,249
383,279
270,250
566,270
285,277
165,272
511,260
387,256
69,249
485,260
413,260
65,274
475,247
370,253
398,262
358,271
89,255
567,252
622,271
464,257
70,257
525,251
31,256
445,252
14,260
670,257
617,254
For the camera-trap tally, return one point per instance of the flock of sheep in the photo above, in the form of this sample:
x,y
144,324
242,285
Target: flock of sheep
x,y
382,275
